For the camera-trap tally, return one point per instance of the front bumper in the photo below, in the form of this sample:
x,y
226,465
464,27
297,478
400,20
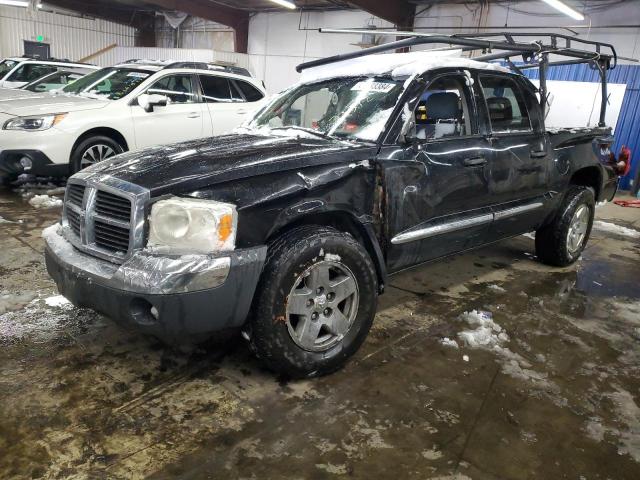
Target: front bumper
x,y
37,164
178,299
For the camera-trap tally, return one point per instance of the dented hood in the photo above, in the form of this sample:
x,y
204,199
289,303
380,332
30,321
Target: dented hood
x,y
188,166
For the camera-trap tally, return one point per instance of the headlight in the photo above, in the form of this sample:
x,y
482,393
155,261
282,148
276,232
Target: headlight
x,y
186,225
32,124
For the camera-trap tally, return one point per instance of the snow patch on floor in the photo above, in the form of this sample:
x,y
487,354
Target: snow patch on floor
x,y
487,333
4,220
56,301
448,342
616,229
497,288
39,319
531,235
14,301
45,201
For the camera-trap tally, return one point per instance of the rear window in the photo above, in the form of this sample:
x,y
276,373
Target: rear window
x,y
251,93
506,105
30,72
215,89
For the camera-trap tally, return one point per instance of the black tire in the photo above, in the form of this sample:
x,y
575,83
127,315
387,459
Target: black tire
x,y
88,143
290,256
552,240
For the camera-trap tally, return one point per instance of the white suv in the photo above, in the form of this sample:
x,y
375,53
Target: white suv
x,y
16,72
125,107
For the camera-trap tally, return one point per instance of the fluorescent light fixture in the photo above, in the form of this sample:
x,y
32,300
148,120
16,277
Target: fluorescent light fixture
x,y
564,8
15,3
285,3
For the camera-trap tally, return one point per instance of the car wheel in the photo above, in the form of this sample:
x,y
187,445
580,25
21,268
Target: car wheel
x,y
562,241
315,302
93,150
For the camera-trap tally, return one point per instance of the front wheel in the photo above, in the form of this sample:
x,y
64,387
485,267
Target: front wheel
x,y
562,241
315,302
93,150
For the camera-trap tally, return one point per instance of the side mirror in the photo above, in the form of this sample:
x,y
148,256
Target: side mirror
x,y
149,101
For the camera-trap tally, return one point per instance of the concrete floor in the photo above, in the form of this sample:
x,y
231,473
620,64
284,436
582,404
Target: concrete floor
x,y
83,398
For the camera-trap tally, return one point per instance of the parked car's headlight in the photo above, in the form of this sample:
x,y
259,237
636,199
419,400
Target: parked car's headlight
x,y
187,225
36,123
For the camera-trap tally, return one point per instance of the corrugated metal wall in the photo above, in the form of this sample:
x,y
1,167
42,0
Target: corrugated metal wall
x,y
628,127
70,36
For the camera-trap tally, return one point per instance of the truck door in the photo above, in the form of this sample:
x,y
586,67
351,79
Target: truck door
x,y
434,179
520,155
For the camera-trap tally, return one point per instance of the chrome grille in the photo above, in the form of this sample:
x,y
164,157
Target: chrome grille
x,y
111,237
75,194
74,221
114,206
104,217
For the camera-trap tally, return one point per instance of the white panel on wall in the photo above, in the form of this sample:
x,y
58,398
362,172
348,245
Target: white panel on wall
x,y
577,104
70,36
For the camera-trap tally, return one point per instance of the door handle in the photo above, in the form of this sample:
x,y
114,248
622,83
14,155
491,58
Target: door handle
x,y
538,153
474,161
193,115
242,111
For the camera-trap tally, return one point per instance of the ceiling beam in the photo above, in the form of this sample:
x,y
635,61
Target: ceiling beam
x,y
231,17
398,12
128,16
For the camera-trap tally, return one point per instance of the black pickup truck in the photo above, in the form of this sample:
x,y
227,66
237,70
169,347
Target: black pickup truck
x,y
288,229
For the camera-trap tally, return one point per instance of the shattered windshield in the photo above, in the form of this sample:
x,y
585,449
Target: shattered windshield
x,y
5,66
108,83
349,108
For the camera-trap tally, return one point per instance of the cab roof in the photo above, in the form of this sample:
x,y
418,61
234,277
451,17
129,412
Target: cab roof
x,y
397,65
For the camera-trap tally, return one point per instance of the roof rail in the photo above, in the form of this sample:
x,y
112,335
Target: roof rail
x,y
501,46
210,66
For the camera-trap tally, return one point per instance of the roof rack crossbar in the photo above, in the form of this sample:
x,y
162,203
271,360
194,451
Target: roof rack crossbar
x,y
535,54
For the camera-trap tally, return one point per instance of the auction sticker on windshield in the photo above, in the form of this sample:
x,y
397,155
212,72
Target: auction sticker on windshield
x,y
137,74
367,85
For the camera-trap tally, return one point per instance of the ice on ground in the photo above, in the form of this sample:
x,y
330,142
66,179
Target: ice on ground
x,y
487,333
37,320
497,288
14,301
56,301
617,229
448,342
45,201
4,220
531,235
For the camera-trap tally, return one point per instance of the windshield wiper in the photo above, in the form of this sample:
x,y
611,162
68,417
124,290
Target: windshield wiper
x,y
307,130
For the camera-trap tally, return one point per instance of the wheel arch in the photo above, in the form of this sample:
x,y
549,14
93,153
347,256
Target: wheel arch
x,y
588,177
344,221
112,133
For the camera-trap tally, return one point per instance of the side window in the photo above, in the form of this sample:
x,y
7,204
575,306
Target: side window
x,y
444,109
30,72
251,93
178,88
505,103
215,89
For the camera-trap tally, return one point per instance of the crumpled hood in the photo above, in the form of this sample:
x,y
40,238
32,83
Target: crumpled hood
x,y
188,166
43,104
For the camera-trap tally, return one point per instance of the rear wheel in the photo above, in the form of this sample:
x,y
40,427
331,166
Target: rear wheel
x,y
562,241
93,150
315,303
